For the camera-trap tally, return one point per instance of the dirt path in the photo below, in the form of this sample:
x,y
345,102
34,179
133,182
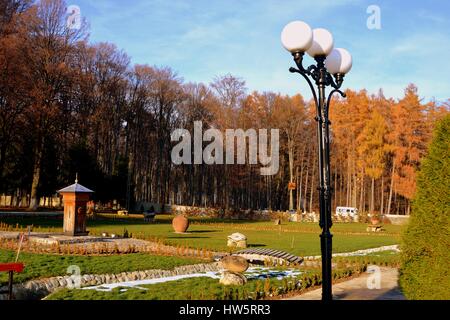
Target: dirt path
x,y
358,288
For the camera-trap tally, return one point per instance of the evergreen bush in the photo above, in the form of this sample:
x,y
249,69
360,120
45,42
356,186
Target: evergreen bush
x,y
425,257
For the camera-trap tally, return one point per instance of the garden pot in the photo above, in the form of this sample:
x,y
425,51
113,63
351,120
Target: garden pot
x,y
180,224
375,221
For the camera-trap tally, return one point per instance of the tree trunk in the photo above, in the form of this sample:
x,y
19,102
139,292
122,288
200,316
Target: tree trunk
x,y
372,195
349,184
306,187
391,188
361,198
2,163
34,201
382,196
297,182
341,185
312,190
335,188
291,175
355,191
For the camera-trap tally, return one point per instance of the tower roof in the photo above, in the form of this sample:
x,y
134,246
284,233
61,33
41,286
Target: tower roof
x,y
75,188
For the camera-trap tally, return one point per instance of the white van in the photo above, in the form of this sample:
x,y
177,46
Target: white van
x,y
345,212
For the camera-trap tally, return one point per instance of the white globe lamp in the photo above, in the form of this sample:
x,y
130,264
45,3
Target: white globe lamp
x,y
297,36
323,43
339,61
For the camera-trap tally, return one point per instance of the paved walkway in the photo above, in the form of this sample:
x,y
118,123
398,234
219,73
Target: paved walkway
x,y
358,288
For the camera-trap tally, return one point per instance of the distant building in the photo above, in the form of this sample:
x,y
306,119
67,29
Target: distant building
x,y
346,212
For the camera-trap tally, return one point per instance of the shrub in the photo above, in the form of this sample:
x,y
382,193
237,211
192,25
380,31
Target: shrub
x,y
267,286
424,272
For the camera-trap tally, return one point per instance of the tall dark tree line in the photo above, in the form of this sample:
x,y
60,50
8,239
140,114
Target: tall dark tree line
x,y
68,106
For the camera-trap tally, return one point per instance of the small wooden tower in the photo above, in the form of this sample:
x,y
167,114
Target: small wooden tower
x,y
75,198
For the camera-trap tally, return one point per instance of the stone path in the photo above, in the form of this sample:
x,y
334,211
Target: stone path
x,y
48,242
357,289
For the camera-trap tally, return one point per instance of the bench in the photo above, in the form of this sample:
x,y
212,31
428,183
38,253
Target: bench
x,y
375,228
10,268
149,216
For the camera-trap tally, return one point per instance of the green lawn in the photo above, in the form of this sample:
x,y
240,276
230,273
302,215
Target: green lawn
x,y
297,238
44,265
193,288
210,289
187,289
205,288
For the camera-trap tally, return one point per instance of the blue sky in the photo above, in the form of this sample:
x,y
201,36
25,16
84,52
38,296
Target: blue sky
x,y
204,38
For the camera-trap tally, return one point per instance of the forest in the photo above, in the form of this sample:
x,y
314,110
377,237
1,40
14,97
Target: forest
x,y
70,106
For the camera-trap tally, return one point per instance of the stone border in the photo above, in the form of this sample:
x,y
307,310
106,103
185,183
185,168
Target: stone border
x,y
38,289
15,214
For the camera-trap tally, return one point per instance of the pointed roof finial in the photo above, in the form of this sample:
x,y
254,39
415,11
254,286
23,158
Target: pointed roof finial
x,y
76,177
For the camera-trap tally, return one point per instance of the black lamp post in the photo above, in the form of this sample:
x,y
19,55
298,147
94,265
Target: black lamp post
x,y
329,71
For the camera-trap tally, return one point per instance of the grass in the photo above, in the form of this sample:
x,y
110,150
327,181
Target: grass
x,y
383,258
187,289
44,265
210,289
297,238
195,288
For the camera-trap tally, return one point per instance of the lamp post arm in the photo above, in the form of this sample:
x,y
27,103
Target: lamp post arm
x,y
330,96
331,82
311,86
312,71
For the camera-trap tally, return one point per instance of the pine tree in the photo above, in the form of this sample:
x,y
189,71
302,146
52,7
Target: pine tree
x,y
409,136
372,150
426,242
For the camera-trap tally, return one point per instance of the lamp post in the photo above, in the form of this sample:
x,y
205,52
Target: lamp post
x,y
329,71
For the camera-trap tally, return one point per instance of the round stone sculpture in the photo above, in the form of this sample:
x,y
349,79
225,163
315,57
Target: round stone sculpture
x,y
232,279
235,264
180,224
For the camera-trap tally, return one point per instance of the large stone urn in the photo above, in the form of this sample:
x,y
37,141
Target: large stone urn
x,y
180,224
375,220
